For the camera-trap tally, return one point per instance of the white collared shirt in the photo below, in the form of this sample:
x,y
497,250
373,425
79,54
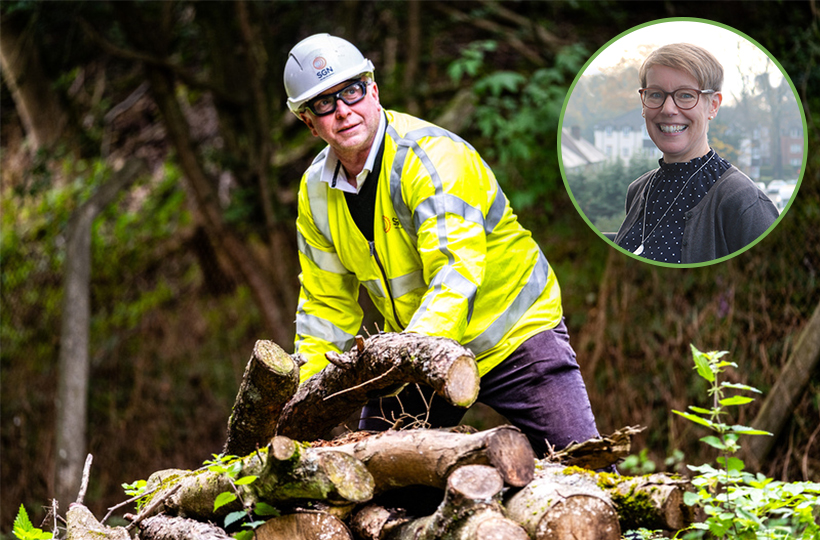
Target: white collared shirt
x,y
335,176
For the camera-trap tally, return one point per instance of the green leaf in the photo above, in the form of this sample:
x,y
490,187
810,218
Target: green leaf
x,y
245,480
736,400
732,464
224,498
695,418
244,535
745,430
700,410
737,386
711,440
264,509
702,364
22,524
233,517
690,499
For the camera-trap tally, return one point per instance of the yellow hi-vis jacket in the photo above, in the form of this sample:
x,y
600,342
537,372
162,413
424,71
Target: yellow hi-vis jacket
x,y
448,258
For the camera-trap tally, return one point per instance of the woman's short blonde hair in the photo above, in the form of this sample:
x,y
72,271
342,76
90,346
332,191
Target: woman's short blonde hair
x,y
691,59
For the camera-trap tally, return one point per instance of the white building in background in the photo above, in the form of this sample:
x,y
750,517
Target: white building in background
x,y
577,152
624,137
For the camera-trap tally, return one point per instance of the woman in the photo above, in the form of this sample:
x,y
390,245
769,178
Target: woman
x,y
697,206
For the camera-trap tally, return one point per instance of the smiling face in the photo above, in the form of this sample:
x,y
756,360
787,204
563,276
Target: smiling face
x,y
350,129
680,134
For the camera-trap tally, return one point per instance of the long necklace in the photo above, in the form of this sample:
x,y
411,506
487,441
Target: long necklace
x,y
645,236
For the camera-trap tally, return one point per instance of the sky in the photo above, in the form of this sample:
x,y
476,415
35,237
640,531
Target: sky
x,y
736,53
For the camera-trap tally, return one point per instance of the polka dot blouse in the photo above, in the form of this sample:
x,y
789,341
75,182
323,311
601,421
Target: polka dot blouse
x,y
668,198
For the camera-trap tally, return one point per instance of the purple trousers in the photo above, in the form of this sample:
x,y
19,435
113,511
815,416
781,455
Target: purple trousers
x,y
538,388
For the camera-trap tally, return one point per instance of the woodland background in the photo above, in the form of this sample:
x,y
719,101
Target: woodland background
x,y
196,258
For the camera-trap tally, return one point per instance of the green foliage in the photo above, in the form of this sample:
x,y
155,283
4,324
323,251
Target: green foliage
x,y
231,467
601,193
24,530
517,114
638,464
739,504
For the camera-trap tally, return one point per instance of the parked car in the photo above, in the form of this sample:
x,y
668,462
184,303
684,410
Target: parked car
x,y
784,194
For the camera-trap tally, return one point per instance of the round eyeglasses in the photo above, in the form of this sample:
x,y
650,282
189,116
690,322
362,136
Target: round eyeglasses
x,y
684,98
326,103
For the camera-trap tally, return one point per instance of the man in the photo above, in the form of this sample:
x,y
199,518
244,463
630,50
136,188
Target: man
x,y
412,212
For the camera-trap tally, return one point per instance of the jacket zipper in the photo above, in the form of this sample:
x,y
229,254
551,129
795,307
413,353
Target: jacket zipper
x,y
386,282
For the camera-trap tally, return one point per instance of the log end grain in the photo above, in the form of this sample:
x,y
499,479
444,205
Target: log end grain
x,y
475,482
273,357
580,518
349,476
462,382
304,526
510,452
500,528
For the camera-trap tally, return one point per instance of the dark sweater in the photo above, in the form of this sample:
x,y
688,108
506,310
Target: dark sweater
x,y
733,214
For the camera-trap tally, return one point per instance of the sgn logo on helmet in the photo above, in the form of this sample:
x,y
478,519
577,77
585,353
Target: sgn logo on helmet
x,y
321,67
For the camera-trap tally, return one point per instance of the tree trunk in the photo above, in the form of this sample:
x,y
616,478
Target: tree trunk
x,y
304,525
72,393
176,528
381,364
557,505
470,511
43,116
270,380
285,471
785,394
428,457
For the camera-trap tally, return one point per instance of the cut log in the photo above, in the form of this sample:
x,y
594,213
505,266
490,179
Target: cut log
x,y
429,456
384,363
286,472
177,528
306,525
653,501
82,525
558,505
470,511
270,380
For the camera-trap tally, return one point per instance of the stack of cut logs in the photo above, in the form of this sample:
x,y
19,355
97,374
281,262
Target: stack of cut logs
x,y
415,484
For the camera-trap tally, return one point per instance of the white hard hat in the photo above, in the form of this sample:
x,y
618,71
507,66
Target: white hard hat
x,y
320,62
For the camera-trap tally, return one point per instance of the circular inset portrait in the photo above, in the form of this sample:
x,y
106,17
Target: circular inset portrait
x,y
682,142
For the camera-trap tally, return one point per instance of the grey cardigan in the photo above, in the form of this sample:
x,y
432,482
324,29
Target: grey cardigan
x,y
730,216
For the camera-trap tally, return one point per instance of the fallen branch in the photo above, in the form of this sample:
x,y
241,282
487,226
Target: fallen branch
x,y
177,528
387,361
270,380
429,456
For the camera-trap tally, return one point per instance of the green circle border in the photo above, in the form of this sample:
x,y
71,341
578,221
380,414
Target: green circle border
x,y
802,167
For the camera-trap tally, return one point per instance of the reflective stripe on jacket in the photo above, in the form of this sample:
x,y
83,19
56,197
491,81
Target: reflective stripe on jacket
x,y
449,257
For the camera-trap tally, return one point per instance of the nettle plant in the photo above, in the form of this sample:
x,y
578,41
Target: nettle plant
x,y
737,503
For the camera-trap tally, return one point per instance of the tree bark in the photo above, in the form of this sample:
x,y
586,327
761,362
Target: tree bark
x,y
287,472
557,505
470,511
82,525
651,502
270,380
304,525
786,392
176,528
72,392
428,457
44,117
383,363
